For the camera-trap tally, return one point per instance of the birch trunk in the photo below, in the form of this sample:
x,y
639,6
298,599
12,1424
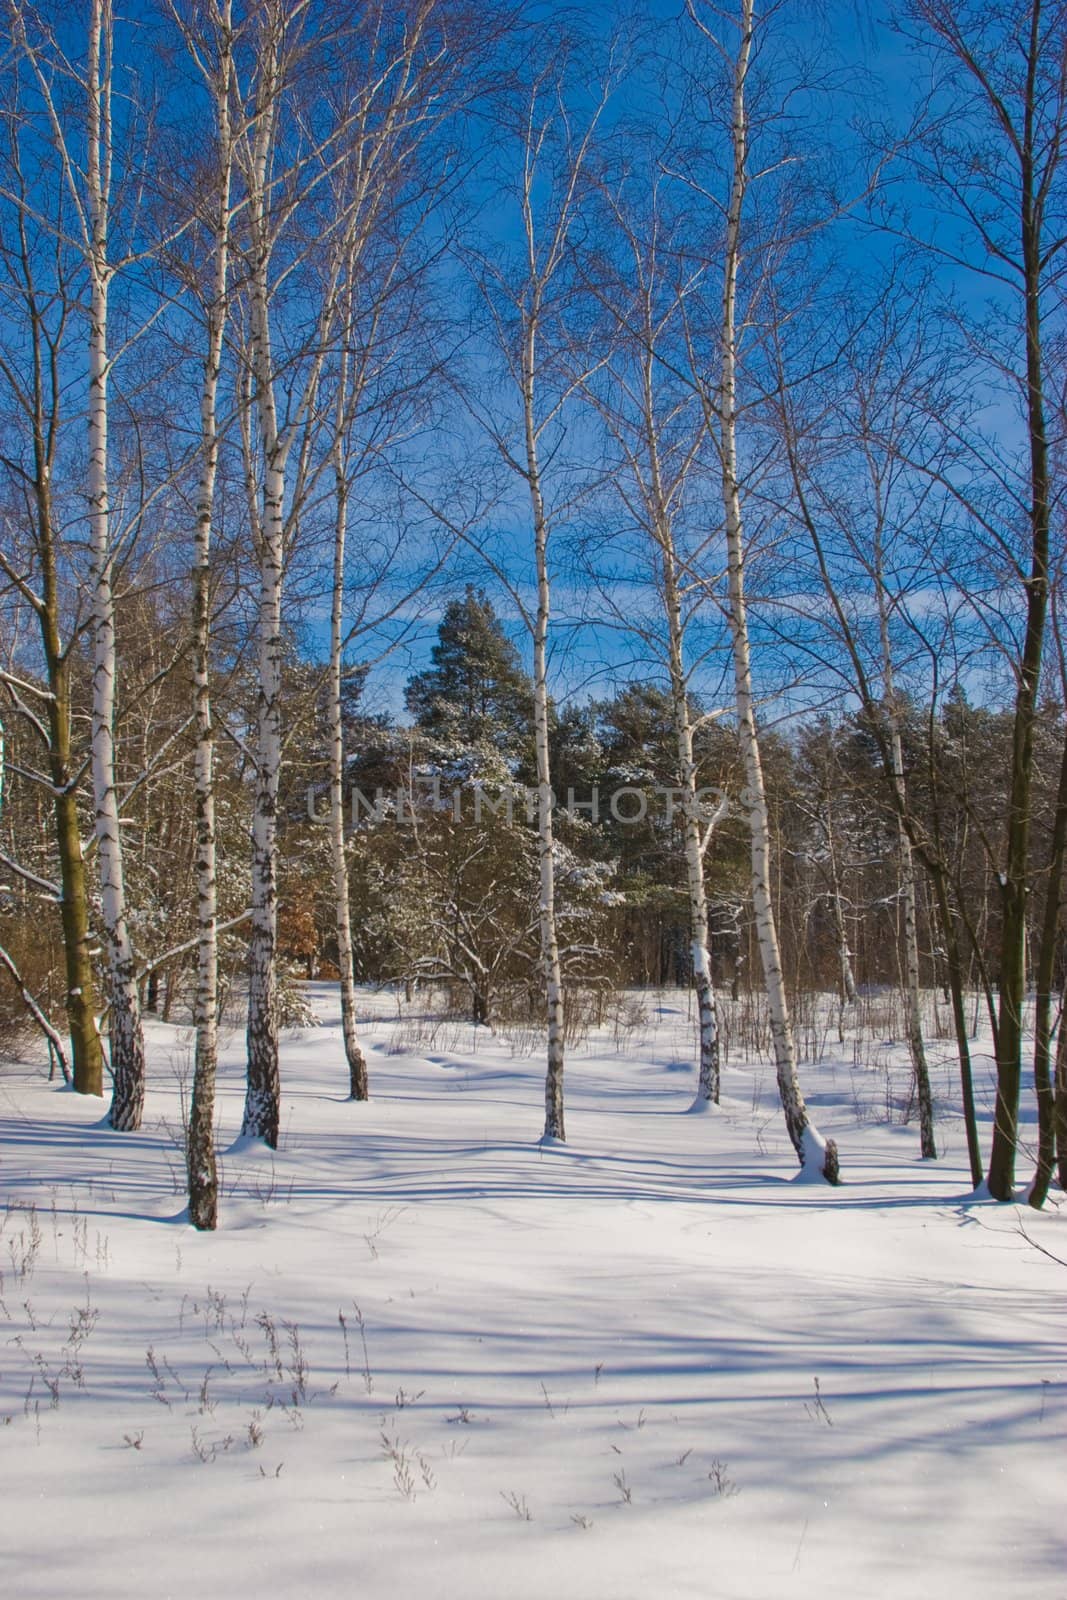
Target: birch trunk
x,y
710,1072
532,303
709,1082
280,53
912,992
263,1091
200,1149
846,976
358,1086
837,911
814,1153
550,963
125,1032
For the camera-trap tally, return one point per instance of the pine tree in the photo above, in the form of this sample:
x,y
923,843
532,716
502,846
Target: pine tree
x,y
475,694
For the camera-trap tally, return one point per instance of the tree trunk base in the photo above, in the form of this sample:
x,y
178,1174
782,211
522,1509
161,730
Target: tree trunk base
x,y
358,1082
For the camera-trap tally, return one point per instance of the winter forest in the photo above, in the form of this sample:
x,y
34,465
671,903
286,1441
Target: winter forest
x,y
533,794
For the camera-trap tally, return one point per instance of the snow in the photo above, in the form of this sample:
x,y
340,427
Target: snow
x,y
645,1364
814,1156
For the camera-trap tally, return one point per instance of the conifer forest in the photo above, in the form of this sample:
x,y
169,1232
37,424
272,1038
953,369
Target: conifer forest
x,y
533,797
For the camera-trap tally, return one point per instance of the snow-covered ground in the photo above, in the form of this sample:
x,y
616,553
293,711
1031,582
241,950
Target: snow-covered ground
x,y
425,1357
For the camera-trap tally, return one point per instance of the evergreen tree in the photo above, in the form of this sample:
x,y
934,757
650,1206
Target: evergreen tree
x,y
475,694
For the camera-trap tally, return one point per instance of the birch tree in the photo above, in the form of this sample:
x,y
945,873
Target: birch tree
x,y
555,141
76,101
278,42
40,301
208,33
406,88
544,262
657,429
824,851
308,122
359,1088
908,884
281,168
124,1021
724,411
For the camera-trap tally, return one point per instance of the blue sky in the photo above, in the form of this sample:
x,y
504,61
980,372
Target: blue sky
x,y
873,68
874,72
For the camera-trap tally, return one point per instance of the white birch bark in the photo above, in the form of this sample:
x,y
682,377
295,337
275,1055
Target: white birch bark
x,y
909,889
814,1153
837,912
550,962
262,1097
392,113
696,837
125,1031
364,185
266,491
710,1070
844,951
200,1147
658,482
269,514
262,1109
358,1086
543,263
263,1088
